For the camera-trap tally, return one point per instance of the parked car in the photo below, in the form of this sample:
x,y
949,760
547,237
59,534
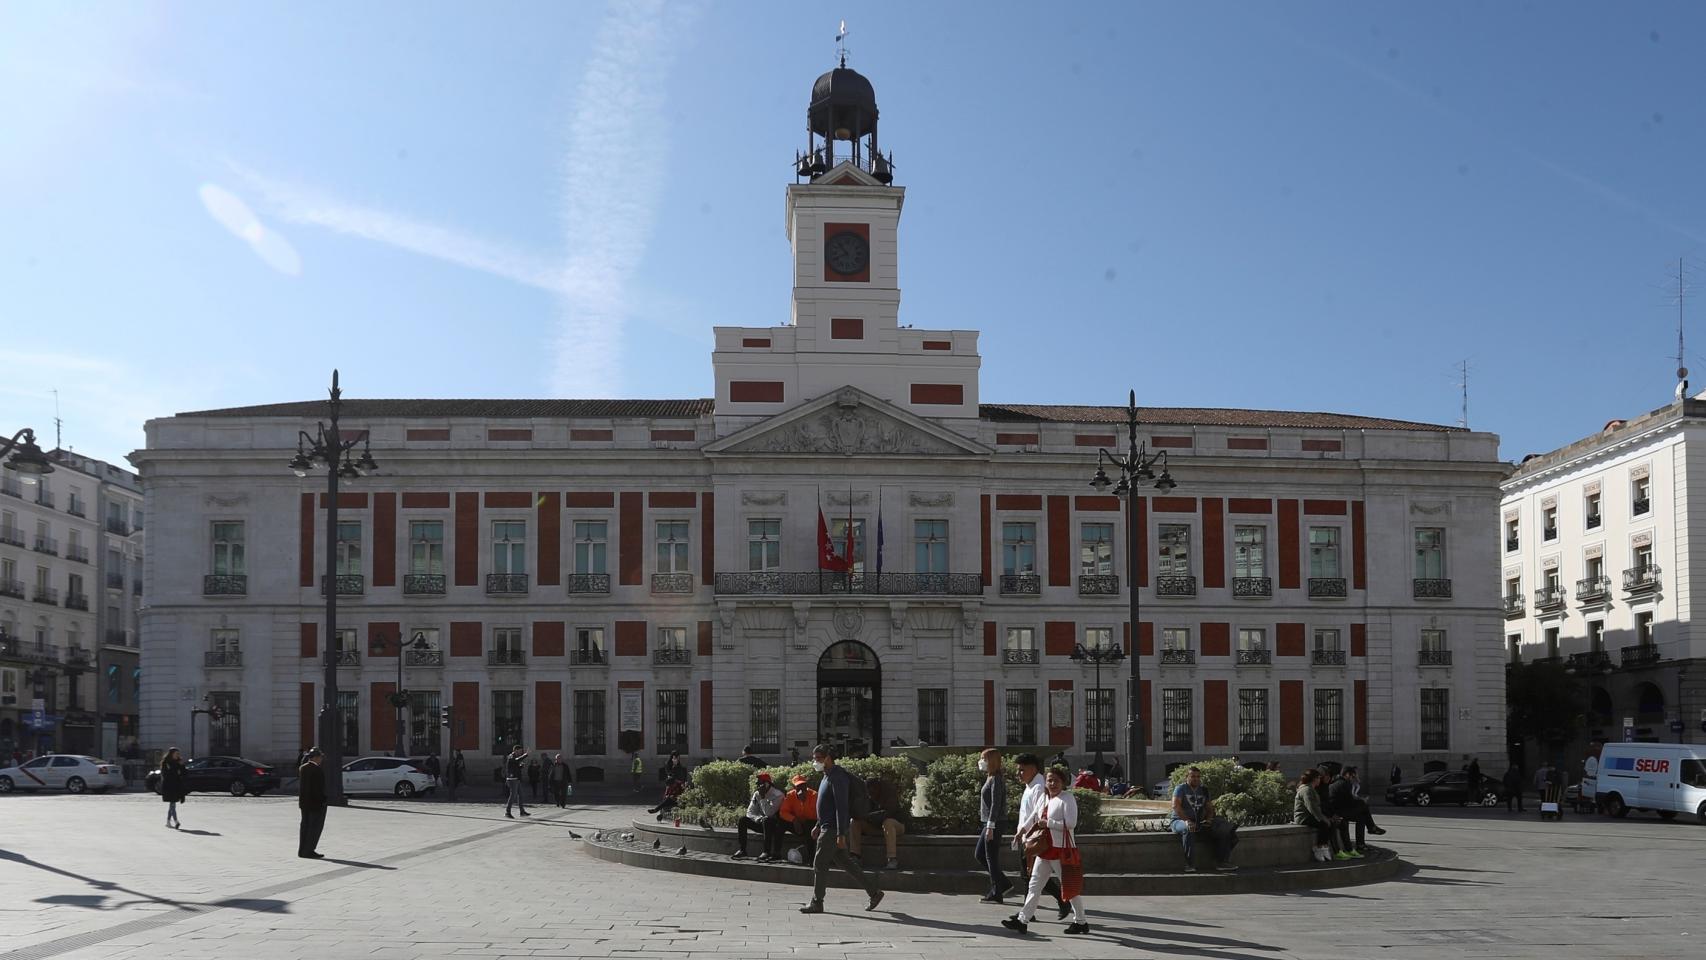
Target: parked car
x,y
233,775
1444,787
393,775
66,771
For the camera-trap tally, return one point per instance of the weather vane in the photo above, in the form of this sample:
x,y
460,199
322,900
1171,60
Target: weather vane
x,y
841,43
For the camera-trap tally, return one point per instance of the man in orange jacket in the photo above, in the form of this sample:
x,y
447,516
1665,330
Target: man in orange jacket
x,y
799,816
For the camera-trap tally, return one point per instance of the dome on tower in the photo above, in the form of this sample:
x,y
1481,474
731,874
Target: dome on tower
x,y
844,106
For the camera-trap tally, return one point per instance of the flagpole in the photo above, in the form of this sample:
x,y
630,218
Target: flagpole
x,y
849,538
821,531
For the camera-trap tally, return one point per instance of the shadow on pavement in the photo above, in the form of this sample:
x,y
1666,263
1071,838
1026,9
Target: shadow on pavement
x,y
92,901
1196,945
359,863
201,833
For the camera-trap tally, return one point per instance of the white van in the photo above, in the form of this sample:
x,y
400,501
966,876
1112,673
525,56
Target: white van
x,y
1668,778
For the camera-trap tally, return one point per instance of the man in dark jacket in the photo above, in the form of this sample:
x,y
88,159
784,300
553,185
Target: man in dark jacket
x,y
514,766
834,814
311,799
1342,806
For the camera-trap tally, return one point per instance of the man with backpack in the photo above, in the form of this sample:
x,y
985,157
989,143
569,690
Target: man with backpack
x,y
839,799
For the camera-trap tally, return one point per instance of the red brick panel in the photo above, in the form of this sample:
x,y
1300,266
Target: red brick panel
x,y
1146,639
983,526
1359,714
705,629
1214,713
509,433
1092,502
467,543
1061,736
310,639
755,391
1059,637
1289,556
467,638
385,539
1246,443
1093,440
1288,640
1291,713
989,711
1249,505
1324,508
382,717
1170,442
1175,504
630,638
706,737
989,645
631,539
427,433
938,394
1060,541
465,715
1216,639
1018,501
305,716
938,344
548,638
1323,446
550,561
862,230
305,540
346,501
1359,547
384,639
1359,639
846,328
755,342
1015,439
661,435
426,501
1213,544
674,499
591,436
508,499
548,714
707,538
589,501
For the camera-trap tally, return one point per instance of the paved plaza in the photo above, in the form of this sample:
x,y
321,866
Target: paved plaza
x,y
100,877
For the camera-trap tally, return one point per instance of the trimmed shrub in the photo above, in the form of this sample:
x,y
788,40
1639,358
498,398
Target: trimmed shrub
x,y
719,783
1241,794
719,790
952,786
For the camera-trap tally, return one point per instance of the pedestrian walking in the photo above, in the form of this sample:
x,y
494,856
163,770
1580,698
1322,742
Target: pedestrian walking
x,y
1031,777
311,801
835,802
1473,772
457,775
174,785
514,766
638,769
433,767
991,807
560,781
533,778
1049,835
1513,788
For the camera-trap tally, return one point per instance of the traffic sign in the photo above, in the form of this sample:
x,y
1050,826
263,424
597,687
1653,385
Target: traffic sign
x,y
1676,726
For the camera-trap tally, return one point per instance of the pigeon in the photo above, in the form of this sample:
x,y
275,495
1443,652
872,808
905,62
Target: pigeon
x,y
657,844
681,851
575,836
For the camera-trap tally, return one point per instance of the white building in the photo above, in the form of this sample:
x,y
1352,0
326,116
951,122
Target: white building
x,y
1319,585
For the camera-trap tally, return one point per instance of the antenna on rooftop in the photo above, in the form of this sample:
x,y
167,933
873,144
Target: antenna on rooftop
x,y
1463,385
841,44
1681,294
58,441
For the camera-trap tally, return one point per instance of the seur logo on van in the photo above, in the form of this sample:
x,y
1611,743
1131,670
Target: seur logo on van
x,y
1640,764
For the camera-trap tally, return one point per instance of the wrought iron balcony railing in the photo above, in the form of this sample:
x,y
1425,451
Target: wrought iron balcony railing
x,y
1549,533
1329,658
1592,521
670,656
1640,505
590,657
592,582
772,583
1434,658
506,584
1514,606
44,496
12,535
47,545
1640,655
423,584
1255,655
1327,588
1021,584
1098,585
1511,543
118,638
11,488
1424,588
505,657
1252,586
1020,656
77,601
115,580
225,585
74,506
115,525
222,658
423,658
672,583
17,649
348,584
45,595
79,656
12,588
1591,661
349,658
1592,588
1548,598
1175,586
1178,656
1641,579
77,554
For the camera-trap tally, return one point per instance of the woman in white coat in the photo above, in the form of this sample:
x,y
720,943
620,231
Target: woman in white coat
x,y
1057,817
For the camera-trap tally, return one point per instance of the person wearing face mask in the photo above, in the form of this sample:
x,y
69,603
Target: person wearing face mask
x,y
799,817
836,805
1036,794
764,814
991,807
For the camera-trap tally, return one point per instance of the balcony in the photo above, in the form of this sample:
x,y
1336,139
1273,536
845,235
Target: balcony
x,y
77,554
1021,585
1329,658
1252,587
221,585
74,506
45,595
1099,585
79,657
505,657
1327,588
47,545
12,536
12,588
423,658
1593,661
216,659
1549,533
118,638
1641,579
1430,589
1640,505
17,649
673,584
1511,544
1640,655
1592,589
1434,658
349,658
591,657
423,584
1020,657
77,601
670,656
115,580
1592,521
118,526
1514,607
44,496
1549,598
506,584
593,583
348,584
11,487
1178,656
1255,655
1175,586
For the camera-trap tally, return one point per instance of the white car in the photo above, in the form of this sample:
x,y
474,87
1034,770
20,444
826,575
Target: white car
x,y
63,771
393,775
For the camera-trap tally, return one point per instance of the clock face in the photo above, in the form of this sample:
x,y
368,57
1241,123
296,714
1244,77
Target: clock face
x,y
847,253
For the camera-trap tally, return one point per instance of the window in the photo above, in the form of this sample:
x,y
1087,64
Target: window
x,y
672,546
1096,550
1644,558
1329,720
592,540
1327,639
930,546
1513,588
227,640
1021,645
1596,636
932,715
1552,585
1514,641
8,684
1252,638
764,544
426,547
227,549
1433,640
225,735
1249,552
1513,533
1641,495
765,711
1430,553
1552,642
1021,717
506,644
1644,629
1324,553
1174,542
423,721
1099,718
1018,549
589,722
506,720
838,537
589,645
509,546
1175,638
1549,523
349,548
1590,510
1176,718
1098,638
672,721
349,721
1252,719
1595,568
1436,734
672,639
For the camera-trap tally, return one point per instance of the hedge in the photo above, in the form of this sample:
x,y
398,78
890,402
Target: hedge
x,y
1240,794
718,791
953,787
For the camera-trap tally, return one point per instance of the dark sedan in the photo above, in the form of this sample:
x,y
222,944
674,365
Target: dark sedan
x,y
1444,787
233,775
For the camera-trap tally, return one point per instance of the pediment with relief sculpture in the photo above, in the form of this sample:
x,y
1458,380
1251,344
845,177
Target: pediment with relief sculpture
x,y
849,422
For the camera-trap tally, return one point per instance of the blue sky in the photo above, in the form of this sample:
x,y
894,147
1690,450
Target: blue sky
x,y
1318,206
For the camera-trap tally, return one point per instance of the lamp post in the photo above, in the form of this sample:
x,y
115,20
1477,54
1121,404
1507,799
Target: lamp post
x,y
400,697
27,459
328,448
1100,655
1136,466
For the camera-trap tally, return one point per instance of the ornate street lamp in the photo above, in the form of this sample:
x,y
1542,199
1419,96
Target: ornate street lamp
x,y
327,447
1136,466
27,459
1103,653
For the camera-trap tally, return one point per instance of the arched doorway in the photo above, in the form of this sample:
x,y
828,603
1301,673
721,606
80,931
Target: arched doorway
x,y
850,699
1599,708
1649,704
